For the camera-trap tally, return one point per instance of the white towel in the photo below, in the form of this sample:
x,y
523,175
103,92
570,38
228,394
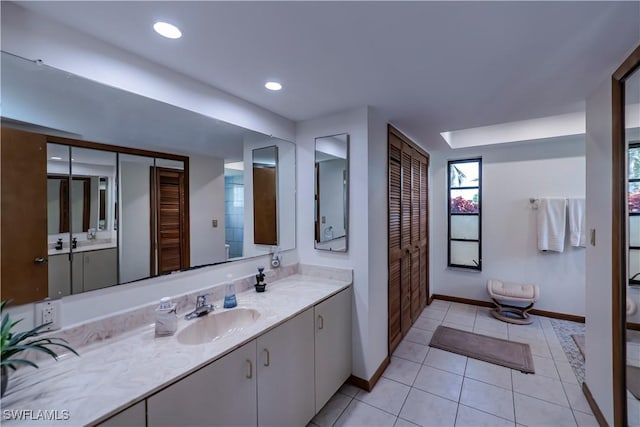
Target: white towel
x,y
552,217
577,227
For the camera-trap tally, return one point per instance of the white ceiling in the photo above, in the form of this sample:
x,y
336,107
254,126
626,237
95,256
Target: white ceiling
x,y
429,67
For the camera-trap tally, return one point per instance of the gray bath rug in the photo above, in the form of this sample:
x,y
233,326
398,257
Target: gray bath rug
x,y
501,352
564,329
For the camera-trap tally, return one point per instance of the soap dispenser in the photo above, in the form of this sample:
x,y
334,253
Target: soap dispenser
x,y
229,293
166,318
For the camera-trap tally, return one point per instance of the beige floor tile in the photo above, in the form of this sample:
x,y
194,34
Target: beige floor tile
x,y
349,389
495,334
491,325
533,412
404,423
467,328
541,387
633,411
426,409
538,347
427,324
487,398
558,354
459,319
567,375
469,417
387,395
545,367
330,412
488,373
585,420
359,414
402,370
412,351
442,383
433,314
446,361
419,336
576,398
439,305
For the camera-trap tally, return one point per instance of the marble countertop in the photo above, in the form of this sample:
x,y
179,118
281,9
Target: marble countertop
x,y
111,375
83,248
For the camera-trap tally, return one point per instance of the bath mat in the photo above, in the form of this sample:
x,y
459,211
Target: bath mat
x,y
579,340
633,380
501,352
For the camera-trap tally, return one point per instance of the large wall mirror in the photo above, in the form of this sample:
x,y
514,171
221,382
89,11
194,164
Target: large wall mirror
x,y
133,188
332,193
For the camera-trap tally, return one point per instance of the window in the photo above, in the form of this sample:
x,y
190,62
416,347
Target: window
x,y
464,213
634,212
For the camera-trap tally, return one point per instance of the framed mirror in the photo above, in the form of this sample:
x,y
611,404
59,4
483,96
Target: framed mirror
x,y
332,193
110,157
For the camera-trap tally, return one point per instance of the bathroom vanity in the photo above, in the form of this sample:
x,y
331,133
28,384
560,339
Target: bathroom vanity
x,y
280,367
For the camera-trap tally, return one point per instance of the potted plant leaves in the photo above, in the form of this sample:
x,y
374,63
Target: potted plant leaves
x,y
13,343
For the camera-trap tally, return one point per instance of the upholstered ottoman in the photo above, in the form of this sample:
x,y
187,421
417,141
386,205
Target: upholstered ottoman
x,y
504,295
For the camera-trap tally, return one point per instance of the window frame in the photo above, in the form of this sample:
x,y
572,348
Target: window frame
x,y
450,163
632,145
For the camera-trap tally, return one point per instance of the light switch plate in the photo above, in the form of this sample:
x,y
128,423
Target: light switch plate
x,y
214,223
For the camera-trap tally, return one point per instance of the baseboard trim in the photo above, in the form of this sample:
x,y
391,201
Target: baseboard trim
x,y
633,326
602,422
368,385
552,314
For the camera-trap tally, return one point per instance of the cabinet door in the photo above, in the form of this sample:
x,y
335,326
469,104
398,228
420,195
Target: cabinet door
x,y
77,275
59,276
333,345
132,416
285,373
100,269
222,393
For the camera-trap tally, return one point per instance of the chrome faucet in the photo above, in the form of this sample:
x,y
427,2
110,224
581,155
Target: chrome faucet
x,y
202,308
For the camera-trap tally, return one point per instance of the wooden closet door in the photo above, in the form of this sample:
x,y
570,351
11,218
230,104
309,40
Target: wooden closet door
x,y
395,242
416,234
424,231
407,255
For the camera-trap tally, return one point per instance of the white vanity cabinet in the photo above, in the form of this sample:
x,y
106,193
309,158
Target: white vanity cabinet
x,y
99,269
332,345
285,373
222,393
90,270
132,416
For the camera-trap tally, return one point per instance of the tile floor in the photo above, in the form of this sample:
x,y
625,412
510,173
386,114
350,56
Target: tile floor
x,y
425,386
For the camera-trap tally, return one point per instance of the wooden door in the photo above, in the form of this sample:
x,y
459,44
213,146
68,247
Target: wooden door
x,y
395,242
170,212
265,222
408,235
23,193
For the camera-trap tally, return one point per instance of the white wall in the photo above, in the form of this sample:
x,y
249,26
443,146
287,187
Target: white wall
x,y
367,205
134,221
33,37
510,176
206,203
599,363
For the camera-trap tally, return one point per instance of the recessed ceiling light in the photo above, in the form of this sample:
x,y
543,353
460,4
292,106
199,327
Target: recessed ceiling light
x,y
56,158
167,30
273,85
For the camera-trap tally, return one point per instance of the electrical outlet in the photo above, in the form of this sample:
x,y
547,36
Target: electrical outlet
x,y
48,311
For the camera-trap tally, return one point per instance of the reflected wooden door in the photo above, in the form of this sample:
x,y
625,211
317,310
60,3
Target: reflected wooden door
x,y
170,202
265,229
23,193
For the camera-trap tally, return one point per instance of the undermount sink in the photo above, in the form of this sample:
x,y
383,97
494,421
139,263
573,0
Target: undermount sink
x,y
217,325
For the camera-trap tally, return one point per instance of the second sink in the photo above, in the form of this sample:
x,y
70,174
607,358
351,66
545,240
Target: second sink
x,y
217,325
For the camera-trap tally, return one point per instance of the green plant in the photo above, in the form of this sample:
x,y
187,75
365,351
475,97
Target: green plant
x,y
13,343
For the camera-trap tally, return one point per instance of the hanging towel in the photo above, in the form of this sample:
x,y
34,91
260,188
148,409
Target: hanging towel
x,y
552,217
577,227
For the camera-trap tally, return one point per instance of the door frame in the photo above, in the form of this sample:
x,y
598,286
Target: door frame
x,y
619,242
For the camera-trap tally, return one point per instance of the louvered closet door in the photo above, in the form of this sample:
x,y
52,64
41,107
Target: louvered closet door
x,y
406,272
416,231
395,242
424,231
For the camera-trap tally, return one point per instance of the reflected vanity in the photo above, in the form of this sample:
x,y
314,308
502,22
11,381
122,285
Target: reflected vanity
x,y
118,205
332,193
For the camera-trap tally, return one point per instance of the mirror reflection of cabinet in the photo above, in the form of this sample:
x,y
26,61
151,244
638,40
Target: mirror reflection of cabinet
x,y
332,193
265,212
